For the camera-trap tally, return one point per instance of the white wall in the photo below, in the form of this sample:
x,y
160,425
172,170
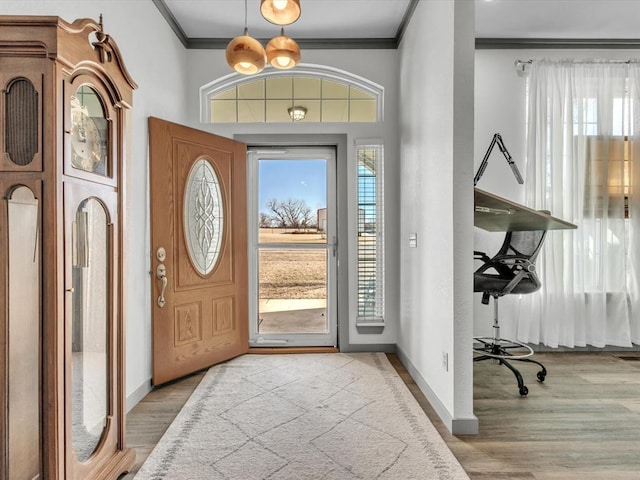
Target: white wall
x,y
379,66
500,107
169,78
157,62
436,115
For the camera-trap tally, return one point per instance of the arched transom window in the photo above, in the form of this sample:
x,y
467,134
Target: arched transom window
x,y
309,93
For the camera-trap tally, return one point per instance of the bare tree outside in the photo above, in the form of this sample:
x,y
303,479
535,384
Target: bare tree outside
x,y
264,220
307,220
290,213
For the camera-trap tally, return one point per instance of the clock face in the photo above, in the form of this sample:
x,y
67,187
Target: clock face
x,y
89,132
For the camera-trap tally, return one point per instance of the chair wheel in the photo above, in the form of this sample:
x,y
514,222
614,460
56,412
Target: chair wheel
x,y
524,391
541,376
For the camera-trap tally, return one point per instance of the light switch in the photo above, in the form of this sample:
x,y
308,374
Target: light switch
x,y
413,240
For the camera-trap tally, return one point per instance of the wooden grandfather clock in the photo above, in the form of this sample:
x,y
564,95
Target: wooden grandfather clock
x,y
64,104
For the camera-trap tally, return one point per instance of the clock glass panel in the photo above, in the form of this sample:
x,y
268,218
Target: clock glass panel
x,y
89,132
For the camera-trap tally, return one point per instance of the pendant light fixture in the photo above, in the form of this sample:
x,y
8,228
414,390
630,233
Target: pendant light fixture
x,y
283,52
280,12
245,54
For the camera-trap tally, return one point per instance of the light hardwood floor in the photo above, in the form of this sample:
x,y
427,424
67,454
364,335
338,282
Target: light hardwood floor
x,y
582,423
150,418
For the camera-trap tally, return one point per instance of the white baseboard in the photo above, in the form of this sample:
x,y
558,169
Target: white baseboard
x,y
368,347
138,394
457,426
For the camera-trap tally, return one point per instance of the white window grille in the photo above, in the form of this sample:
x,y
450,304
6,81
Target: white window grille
x,y
325,94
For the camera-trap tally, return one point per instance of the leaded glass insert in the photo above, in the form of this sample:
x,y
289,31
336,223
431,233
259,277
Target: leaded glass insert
x,y
203,216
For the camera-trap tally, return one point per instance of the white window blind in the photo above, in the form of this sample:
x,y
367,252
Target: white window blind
x,y
370,234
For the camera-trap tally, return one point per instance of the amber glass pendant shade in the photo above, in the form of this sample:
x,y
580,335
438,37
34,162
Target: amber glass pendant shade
x,y
280,12
283,52
246,55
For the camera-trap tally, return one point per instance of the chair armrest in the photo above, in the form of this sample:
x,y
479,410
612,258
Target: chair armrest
x,y
516,261
506,265
480,256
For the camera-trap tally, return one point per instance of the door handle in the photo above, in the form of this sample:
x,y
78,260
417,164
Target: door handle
x,y
161,274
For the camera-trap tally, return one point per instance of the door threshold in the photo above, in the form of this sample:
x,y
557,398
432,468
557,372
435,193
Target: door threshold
x,y
282,350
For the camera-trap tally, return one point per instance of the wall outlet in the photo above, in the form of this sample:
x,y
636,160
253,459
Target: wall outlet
x,y
445,361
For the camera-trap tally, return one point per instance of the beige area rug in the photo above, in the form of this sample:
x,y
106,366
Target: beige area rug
x,y
302,417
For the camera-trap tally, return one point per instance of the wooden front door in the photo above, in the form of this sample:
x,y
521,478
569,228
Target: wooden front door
x,y
198,249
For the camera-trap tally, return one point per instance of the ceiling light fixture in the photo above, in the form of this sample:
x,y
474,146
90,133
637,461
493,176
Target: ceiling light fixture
x,y
245,54
280,12
283,52
297,113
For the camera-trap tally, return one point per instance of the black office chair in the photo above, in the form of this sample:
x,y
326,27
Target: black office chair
x,y
510,271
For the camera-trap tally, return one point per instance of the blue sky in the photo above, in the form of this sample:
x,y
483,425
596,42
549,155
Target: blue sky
x,y
295,179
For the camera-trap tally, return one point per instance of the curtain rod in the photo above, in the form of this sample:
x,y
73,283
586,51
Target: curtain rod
x,y
521,64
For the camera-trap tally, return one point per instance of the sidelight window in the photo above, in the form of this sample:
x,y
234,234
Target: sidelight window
x,y
370,234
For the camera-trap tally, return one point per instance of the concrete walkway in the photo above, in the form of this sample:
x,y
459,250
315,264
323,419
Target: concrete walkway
x,y
293,316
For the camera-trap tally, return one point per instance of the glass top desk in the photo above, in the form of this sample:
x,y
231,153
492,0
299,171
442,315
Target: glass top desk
x,y
497,214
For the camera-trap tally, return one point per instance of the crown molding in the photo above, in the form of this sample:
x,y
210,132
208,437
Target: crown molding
x,y
394,42
557,43
306,43
172,21
405,21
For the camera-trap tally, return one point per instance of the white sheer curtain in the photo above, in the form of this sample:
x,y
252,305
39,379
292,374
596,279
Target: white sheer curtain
x,y
582,140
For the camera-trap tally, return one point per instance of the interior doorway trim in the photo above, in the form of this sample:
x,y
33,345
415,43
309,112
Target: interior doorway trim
x,y
272,321
339,141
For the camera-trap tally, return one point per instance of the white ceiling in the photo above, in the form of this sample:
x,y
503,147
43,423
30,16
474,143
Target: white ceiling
x,y
319,19
610,19
382,19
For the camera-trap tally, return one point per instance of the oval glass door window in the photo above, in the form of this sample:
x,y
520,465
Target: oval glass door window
x,y
203,216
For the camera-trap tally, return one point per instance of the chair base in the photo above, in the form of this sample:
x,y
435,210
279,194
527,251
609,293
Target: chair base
x,y
501,350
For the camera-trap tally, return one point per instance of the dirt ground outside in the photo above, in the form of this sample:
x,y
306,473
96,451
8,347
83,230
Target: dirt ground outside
x,y
297,274
292,274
